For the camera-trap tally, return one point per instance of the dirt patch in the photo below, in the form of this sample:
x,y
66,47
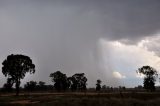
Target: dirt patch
x,y
24,102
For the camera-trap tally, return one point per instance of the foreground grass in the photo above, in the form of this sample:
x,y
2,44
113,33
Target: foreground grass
x,y
82,99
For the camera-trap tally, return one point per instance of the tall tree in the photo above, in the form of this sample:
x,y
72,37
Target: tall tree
x,y
60,80
98,85
15,67
150,77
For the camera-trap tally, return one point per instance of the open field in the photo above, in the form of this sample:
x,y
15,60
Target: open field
x,y
81,99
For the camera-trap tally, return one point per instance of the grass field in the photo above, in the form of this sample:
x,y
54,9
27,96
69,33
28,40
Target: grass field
x,y
81,99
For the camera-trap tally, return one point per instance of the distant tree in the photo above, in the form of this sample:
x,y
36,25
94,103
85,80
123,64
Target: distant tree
x,y
30,86
78,82
73,84
123,88
8,86
150,77
60,80
104,87
140,87
41,85
49,87
15,67
111,88
98,85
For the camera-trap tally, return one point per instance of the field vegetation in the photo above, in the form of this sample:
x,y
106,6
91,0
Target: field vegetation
x,y
82,99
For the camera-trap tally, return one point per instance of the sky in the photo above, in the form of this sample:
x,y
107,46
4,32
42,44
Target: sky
x,y
105,39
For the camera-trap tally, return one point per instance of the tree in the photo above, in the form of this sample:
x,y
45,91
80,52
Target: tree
x,y
72,83
30,86
60,80
41,85
15,67
8,86
98,85
78,82
104,87
150,77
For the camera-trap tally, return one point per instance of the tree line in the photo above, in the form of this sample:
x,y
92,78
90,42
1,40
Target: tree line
x,y
15,66
76,82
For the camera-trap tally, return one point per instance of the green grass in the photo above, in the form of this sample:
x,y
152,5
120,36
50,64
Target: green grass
x,y
81,99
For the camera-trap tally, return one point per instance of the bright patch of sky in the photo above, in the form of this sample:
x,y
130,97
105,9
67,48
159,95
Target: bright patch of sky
x,y
123,60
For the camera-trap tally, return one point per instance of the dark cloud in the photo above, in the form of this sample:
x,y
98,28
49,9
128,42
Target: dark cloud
x,y
126,19
113,19
120,19
64,34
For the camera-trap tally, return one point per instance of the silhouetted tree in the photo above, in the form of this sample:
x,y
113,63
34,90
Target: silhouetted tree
x,y
78,82
104,87
15,67
60,80
150,77
98,85
140,87
8,86
49,87
41,85
30,86
72,83
123,88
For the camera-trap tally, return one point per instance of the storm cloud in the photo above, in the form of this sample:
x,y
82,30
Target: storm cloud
x,y
68,35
